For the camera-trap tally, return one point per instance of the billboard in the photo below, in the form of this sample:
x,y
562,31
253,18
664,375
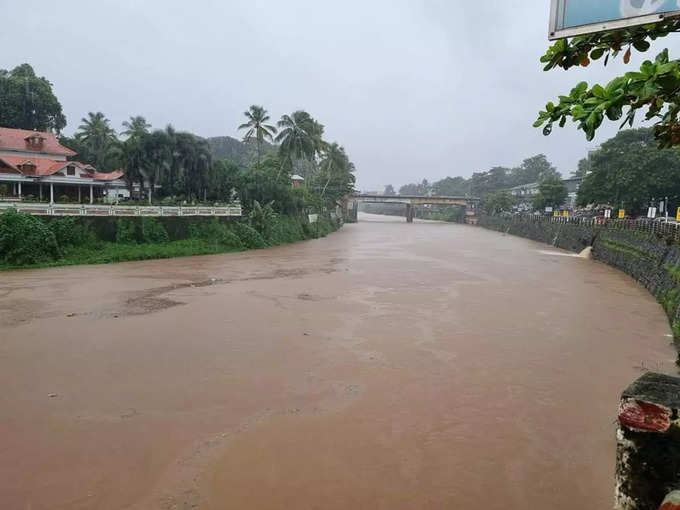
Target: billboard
x,y
569,18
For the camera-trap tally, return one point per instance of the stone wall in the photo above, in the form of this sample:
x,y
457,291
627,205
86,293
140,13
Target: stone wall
x,y
652,259
568,236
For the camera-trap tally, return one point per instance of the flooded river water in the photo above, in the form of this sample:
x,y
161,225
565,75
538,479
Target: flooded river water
x,y
388,366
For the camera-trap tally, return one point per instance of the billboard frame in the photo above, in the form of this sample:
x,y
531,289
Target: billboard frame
x,y
592,28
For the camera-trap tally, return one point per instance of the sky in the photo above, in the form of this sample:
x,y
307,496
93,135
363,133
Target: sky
x,y
412,89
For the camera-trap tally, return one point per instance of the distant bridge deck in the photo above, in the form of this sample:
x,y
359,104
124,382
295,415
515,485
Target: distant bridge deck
x,y
415,200
410,201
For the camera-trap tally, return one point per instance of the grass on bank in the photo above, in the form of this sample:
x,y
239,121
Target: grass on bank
x,y
33,242
107,253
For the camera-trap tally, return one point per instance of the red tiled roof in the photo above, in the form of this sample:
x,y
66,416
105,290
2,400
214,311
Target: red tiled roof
x,y
43,166
15,140
46,166
108,176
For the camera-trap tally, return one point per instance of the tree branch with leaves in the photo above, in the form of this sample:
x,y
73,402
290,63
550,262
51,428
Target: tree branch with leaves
x,y
654,89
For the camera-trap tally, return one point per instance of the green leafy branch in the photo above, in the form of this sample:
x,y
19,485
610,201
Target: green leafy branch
x,y
656,87
581,50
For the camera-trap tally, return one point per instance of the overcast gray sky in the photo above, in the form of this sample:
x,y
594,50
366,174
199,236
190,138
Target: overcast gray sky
x,y
412,89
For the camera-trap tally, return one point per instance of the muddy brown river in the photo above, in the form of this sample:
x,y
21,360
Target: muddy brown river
x,y
388,366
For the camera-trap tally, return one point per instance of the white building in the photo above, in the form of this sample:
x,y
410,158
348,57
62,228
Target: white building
x,y
34,163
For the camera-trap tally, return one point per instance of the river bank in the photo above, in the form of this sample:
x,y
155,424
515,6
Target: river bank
x,y
32,241
652,260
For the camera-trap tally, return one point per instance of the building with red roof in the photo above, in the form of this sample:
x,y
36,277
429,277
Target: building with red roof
x,y
35,164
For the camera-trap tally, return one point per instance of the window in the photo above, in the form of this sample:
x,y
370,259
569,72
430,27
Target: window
x,y
70,170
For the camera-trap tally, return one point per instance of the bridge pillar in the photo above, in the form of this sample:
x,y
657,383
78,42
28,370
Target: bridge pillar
x,y
410,213
648,448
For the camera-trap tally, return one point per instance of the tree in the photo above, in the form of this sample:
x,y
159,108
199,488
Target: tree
x,y
28,102
497,202
97,138
494,180
389,191
158,154
419,190
129,153
584,166
129,156
629,170
266,184
258,128
451,187
336,172
295,140
532,170
222,180
137,127
654,87
552,192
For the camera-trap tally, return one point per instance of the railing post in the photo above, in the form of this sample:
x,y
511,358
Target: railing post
x,y
648,445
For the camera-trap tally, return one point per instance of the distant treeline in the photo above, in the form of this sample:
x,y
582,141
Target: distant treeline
x,y
498,178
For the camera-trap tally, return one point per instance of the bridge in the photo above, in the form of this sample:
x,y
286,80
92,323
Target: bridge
x,y
351,204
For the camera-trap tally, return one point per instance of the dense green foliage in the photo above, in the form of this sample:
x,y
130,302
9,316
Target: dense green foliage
x,y
551,193
242,154
27,101
497,202
178,166
498,178
27,240
629,170
653,88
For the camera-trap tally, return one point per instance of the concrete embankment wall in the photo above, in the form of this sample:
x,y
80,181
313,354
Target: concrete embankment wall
x,y
653,259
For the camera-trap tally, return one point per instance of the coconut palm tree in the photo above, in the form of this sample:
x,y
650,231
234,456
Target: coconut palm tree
x,y
97,136
137,126
258,128
336,172
296,138
129,156
157,158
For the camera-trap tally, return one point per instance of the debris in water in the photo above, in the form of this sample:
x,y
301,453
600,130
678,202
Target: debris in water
x,y
53,395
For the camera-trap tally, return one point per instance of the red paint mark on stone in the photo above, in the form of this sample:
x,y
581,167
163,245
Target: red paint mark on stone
x,y
639,415
672,501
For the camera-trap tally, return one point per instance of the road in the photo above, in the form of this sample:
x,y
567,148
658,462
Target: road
x,y
388,366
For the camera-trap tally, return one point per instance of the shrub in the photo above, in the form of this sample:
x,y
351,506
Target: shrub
x,y
250,237
125,231
71,231
153,231
262,217
25,239
216,233
284,229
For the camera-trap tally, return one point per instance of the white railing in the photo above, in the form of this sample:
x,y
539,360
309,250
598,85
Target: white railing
x,y
119,210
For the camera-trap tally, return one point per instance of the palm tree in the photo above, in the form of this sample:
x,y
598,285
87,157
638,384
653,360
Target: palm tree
x,y
97,136
337,169
257,127
137,126
157,158
296,139
129,156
